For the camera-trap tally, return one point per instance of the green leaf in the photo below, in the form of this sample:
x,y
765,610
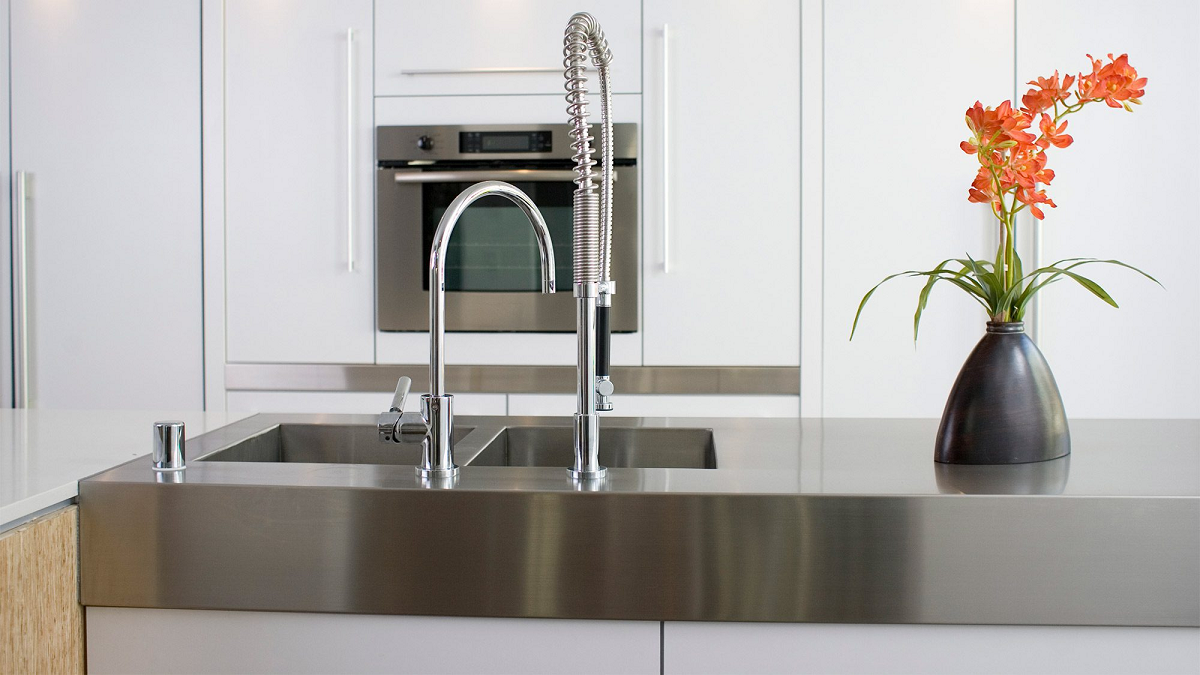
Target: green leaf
x,y
866,297
987,280
1056,270
953,277
924,297
1007,301
1091,286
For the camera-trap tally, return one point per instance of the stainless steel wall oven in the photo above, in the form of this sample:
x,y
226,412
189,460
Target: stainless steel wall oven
x,y
492,276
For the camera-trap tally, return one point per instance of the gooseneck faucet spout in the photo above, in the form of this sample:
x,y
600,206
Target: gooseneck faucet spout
x,y
434,424
437,265
592,232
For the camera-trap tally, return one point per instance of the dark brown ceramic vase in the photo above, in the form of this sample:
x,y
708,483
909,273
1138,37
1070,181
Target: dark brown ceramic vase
x,y
1005,407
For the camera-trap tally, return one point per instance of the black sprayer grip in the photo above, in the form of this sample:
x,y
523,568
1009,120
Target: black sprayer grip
x,y
602,341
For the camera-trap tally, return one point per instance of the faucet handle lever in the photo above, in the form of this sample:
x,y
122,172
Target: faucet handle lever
x,y
402,387
397,426
389,422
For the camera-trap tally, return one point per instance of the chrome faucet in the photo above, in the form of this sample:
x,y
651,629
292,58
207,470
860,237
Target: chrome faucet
x,y
434,424
592,233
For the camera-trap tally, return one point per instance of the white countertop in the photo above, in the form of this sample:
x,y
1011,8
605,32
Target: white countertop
x,y
44,453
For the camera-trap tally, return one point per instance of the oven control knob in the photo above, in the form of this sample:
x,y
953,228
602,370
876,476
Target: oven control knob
x,y
425,143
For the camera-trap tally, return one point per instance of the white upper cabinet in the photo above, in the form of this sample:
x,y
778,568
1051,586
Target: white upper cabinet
x,y
492,46
896,193
299,182
1126,189
721,205
105,125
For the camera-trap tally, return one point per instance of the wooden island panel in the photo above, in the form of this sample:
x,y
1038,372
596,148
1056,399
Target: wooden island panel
x,y
41,621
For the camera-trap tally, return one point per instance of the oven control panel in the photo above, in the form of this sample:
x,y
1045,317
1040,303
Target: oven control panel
x,y
472,142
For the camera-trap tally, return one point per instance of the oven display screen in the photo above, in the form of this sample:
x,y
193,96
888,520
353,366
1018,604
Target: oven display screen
x,y
471,142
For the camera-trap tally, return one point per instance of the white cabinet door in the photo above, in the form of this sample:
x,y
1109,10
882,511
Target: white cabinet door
x,y
896,194
1125,189
456,46
6,363
105,120
721,207
729,648
299,182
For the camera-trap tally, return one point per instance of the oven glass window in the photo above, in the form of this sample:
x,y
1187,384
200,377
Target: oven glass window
x,y
493,247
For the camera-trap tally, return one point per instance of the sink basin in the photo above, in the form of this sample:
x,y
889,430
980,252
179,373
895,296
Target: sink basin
x,y
324,443
620,447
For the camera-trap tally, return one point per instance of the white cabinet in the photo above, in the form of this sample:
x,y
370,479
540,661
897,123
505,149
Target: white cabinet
x,y
299,182
285,642
6,334
896,195
105,122
1126,190
729,648
721,207
492,46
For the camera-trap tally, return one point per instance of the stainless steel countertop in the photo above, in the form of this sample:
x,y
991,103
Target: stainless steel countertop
x,y
833,520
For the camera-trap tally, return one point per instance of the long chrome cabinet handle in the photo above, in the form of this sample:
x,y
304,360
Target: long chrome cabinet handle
x,y
1035,326
20,256
350,149
529,175
478,71
666,151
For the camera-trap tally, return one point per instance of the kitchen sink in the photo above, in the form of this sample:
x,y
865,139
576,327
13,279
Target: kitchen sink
x,y
324,443
525,445
620,447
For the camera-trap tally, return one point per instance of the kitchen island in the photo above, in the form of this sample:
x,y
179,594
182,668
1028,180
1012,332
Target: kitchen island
x,y
43,456
796,521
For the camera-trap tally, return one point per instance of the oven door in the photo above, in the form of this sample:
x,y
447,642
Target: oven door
x,y
492,273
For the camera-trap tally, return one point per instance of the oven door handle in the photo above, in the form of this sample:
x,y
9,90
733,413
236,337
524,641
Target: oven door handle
x,y
471,176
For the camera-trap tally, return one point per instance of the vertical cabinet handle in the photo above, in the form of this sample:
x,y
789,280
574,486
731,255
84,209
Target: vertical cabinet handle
x,y
350,149
666,151
20,257
1035,326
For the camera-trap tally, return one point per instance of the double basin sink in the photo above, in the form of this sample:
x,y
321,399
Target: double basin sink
x,y
480,445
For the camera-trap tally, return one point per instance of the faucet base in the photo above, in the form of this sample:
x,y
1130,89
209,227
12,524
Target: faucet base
x,y
437,473
587,449
595,474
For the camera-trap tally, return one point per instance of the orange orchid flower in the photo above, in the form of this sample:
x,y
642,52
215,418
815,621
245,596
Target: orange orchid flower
x,y
1052,135
1116,83
1011,176
1048,91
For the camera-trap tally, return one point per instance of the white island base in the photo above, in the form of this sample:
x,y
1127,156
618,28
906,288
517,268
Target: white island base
x,y
123,640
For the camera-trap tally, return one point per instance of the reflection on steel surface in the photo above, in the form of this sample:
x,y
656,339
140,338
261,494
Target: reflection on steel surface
x,y
1031,478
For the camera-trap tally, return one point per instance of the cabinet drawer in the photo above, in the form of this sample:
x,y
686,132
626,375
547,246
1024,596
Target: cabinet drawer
x,y
455,47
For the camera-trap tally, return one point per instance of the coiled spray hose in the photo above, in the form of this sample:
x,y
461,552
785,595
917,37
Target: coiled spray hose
x,y
592,242
592,218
